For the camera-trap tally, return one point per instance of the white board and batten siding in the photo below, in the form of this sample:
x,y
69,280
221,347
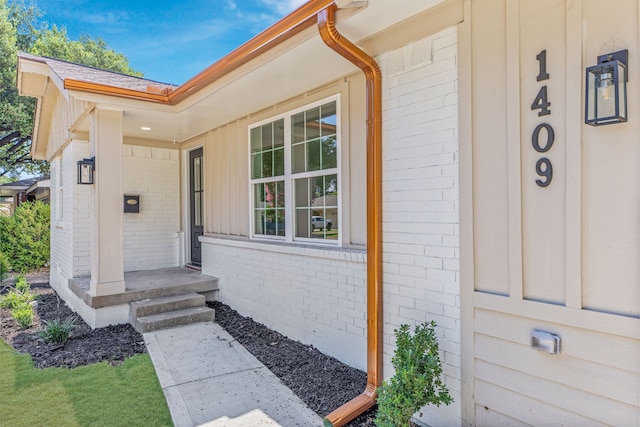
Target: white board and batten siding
x,y
561,258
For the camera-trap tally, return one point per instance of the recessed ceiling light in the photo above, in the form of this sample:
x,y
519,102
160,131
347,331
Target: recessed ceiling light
x,y
145,128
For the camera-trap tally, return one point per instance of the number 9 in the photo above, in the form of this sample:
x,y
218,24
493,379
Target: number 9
x,y
547,172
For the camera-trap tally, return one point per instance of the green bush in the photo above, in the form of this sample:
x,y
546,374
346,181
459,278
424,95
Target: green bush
x,y
23,315
24,237
57,331
417,379
22,285
14,299
5,266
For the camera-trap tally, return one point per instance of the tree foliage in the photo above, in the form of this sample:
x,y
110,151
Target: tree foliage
x,y
21,29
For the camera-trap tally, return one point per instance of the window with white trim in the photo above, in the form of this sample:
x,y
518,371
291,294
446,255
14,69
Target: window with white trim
x,y
60,203
295,175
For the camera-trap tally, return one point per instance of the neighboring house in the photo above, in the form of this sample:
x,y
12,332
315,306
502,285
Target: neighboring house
x,y
461,180
13,194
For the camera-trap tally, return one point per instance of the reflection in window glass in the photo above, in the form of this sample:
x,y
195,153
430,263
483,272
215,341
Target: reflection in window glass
x,y
269,205
316,204
267,150
308,167
313,135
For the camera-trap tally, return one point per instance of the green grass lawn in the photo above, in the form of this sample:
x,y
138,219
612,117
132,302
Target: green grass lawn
x,y
95,395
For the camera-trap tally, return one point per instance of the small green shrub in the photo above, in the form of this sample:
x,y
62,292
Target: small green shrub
x,y
24,236
14,299
417,379
5,266
57,331
23,315
22,285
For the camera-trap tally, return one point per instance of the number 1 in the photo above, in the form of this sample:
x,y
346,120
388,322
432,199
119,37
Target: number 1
x,y
542,60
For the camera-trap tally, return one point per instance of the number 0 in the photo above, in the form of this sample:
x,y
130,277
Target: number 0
x,y
535,137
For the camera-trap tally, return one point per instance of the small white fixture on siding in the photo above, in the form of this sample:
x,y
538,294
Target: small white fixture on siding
x,y
545,341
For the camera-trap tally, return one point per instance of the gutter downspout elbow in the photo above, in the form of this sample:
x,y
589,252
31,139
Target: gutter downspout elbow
x,y
333,39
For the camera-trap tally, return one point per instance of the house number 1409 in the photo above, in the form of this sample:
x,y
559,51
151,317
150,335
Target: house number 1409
x,y
541,102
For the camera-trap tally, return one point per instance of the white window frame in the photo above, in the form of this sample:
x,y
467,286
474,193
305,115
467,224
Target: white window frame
x,y
290,177
60,205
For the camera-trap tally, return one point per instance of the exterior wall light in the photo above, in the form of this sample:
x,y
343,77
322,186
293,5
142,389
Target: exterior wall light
x,y
85,170
606,93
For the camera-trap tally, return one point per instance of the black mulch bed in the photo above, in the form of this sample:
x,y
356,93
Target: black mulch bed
x,y
322,382
112,344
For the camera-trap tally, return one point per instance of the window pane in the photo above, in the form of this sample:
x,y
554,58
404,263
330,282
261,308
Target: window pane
x,y
269,212
312,123
302,193
256,139
298,158
329,153
267,136
259,226
314,139
197,174
329,190
278,162
256,165
270,194
328,118
303,223
297,128
258,201
278,133
313,156
267,164
316,202
198,208
324,224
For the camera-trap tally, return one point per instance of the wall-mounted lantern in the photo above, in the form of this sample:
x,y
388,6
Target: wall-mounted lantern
x,y
606,95
85,170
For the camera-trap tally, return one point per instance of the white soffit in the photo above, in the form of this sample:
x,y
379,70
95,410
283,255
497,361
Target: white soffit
x,y
300,67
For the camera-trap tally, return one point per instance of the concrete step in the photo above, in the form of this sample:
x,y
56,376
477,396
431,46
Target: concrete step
x,y
164,304
154,322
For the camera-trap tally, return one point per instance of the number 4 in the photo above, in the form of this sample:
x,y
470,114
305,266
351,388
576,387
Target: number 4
x,y
541,102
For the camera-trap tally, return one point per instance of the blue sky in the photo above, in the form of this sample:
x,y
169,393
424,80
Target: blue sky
x,y
169,41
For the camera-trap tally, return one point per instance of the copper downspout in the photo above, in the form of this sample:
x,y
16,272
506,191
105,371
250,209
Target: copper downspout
x,y
333,39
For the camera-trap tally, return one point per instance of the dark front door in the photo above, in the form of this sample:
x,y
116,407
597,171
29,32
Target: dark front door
x,y
195,203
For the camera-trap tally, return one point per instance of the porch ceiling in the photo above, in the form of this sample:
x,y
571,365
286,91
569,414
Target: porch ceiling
x,y
295,67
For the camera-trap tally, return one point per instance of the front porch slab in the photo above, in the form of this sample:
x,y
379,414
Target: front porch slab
x,y
146,284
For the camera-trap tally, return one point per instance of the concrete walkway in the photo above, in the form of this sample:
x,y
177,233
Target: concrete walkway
x,y
209,379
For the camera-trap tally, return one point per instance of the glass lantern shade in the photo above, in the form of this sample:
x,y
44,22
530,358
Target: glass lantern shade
x,y
606,93
85,171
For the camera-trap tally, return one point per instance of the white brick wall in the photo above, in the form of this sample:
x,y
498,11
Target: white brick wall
x,y
150,237
81,212
420,201
69,216
315,296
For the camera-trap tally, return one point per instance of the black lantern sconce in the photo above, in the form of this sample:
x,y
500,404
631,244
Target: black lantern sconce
x,y
606,95
85,170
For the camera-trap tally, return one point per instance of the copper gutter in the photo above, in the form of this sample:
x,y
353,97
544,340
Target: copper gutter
x,y
333,39
102,89
292,24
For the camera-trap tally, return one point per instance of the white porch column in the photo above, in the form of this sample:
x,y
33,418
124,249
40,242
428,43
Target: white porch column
x,y
107,228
